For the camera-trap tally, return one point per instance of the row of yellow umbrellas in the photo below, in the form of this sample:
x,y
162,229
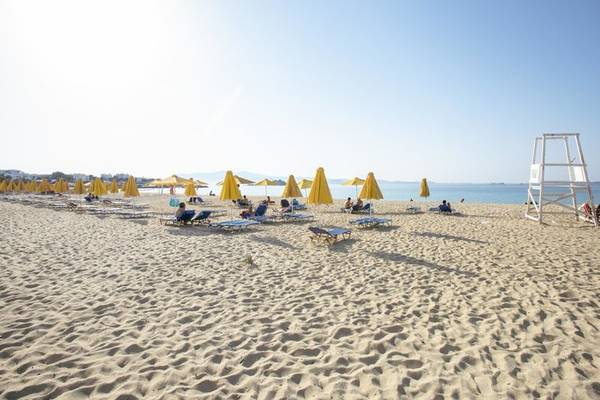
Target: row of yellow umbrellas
x,y
319,189
97,187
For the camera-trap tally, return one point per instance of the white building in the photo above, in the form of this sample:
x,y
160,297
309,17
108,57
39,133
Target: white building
x,y
14,174
83,177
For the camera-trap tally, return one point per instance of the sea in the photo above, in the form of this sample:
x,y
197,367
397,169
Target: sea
x,y
405,191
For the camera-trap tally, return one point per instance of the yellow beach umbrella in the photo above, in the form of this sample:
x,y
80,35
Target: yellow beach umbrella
x,y
44,186
370,190
131,188
190,189
356,182
97,188
3,187
114,186
266,183
79,187
424,188
319,191
291,189
230,189
59,186
238,180
305,184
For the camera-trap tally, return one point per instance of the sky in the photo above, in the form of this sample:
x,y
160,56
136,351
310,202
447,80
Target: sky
x,y
454,91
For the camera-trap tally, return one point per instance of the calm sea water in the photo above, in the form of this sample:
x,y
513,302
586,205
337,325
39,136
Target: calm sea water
x,y
453,192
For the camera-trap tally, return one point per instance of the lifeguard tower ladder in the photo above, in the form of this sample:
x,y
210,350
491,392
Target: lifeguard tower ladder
x,y
561,193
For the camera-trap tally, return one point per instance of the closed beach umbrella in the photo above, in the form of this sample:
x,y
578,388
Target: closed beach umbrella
x,y
79,187
59,186
356,182
291,189
3,187
130,189
44,186
370,190
21,186
319,191
56,187
230,189
64,186
190,189
97,188
424,188
114,186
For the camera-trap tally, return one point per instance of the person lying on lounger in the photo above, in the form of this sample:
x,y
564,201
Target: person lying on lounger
x,y
247,213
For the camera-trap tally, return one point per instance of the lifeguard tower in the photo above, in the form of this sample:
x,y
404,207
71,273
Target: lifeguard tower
x,y
558,181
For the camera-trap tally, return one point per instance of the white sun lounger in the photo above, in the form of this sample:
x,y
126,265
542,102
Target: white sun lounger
x,y
371,222
234,225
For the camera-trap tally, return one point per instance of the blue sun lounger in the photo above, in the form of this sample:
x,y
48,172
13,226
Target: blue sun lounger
x,y
371,222
185,218
201,218
329,235
234,225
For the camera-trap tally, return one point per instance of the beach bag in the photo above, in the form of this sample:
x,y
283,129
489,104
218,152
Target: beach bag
x,y
173,202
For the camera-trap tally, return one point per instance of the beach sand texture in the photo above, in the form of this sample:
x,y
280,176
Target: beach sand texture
x,y
484,305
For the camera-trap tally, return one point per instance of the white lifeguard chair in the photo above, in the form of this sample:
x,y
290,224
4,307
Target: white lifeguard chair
x,y
555,182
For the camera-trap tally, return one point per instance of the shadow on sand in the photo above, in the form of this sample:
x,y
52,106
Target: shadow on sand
x,y
418,262
448,237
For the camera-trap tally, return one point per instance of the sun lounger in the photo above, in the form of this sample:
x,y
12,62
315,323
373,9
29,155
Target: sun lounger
x,y
294,217
329,235
371,222
133,214
413,210
436,210
185,219
201,218
353,210
234,225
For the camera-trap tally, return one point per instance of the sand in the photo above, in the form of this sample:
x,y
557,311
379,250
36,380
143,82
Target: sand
x,y
484,305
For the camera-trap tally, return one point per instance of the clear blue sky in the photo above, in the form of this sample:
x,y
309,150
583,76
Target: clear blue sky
x,y
451,90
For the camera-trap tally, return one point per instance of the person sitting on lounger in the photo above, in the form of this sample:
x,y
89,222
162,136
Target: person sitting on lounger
x,y
348,204
89,197
587,210
180,211
358,206
267,201
444,207
243,201
285,206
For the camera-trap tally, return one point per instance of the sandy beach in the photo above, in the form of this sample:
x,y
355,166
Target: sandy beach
x,y
481,305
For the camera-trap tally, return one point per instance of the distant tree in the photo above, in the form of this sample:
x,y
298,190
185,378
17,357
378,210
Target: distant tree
x,y
58,175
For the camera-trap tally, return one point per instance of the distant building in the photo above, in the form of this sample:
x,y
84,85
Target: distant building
x,y
106,177
121,177
83,177
14,174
